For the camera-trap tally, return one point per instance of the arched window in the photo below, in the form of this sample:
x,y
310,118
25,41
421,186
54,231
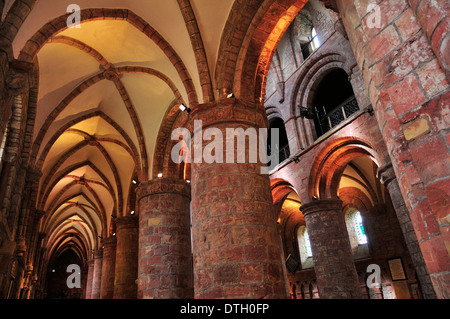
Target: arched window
x,y
360,232
304,245
334,101
357,234
283,147
315,40
310,43
307,243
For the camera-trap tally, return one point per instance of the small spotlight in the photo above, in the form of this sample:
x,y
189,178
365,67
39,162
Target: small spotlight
x,y
188,181
184,108
315,197
135,181
231,95
160,175
114,234
132,212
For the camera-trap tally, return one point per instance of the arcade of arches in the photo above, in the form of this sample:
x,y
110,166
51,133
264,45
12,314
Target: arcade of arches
x,y
360,96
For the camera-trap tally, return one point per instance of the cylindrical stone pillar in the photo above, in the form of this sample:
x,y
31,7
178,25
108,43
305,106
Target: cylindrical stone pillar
x,y
387,176
434,18
90,276
108,268
332,254
127,231
165,259
97,277
236,251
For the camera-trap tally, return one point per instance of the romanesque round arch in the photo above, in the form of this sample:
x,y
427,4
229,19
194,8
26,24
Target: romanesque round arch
x,y
316,69
243,72
329,164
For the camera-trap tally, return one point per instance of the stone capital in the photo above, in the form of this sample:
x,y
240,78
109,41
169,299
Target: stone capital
x,y
124,222
109,242
321,205
163,186
98,253
18,78
230,111
386,174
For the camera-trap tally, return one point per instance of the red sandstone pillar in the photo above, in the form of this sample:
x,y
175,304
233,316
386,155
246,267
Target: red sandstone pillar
x,y
90,276
97,277
387,176
408,94
333,259
434,18
165,260
127,230
108,268
235,241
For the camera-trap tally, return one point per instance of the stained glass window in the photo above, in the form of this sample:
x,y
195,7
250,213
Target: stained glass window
x,y
360,232
304,243
307,243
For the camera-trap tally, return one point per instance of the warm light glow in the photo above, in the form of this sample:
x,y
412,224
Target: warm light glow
x,y
316,42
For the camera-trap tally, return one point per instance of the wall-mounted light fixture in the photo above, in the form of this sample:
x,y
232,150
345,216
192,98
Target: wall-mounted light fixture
x,y
132,212
306,113
135,181
184,108
160,175
231,95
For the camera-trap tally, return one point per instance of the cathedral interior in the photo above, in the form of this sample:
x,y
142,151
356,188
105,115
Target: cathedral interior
x,y
94,204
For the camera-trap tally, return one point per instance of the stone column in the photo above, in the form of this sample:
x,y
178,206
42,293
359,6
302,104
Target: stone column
x,y
236,247
387,176
332,254
108,268
409,98
127,230
433,17
97,277
90,277
165,259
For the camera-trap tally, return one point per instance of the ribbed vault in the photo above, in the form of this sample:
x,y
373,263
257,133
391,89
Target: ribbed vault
x,y
109,93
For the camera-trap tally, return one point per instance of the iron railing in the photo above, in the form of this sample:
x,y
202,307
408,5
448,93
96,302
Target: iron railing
x,y
284,153
337,115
